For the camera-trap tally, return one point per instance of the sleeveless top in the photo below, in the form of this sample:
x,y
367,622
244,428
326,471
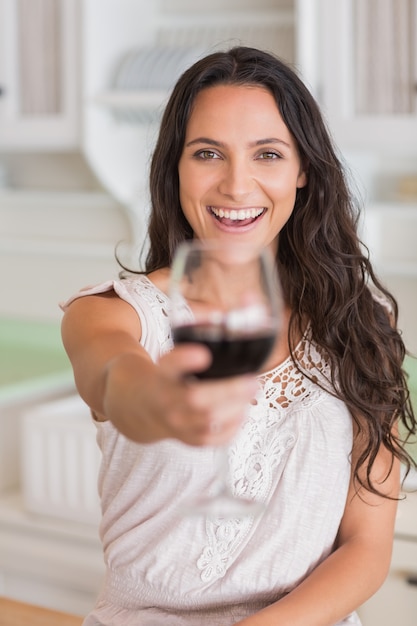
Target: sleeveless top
x,y
292,453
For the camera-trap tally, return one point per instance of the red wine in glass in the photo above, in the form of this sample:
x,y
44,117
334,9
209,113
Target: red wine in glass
x,y
232,354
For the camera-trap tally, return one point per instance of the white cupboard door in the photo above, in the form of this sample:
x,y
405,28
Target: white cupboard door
x,y
39,74
368,72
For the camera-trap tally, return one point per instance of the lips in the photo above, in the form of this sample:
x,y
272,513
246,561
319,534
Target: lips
x,y
236,217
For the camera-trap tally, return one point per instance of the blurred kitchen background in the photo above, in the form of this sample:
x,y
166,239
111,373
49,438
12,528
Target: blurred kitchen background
x,y
82,84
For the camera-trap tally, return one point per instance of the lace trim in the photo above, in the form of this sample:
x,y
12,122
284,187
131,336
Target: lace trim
x,y
285,384
159,306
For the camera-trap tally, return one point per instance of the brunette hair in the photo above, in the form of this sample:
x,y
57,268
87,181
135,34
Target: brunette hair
x,y
326,275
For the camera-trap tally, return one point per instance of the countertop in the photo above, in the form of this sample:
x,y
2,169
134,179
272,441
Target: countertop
x,y
13,613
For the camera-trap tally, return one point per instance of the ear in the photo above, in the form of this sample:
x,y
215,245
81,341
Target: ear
x,y
302,179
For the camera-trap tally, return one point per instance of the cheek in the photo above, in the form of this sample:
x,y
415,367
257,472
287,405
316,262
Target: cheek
x,y
283,190
283,196
185,189
189,202
184,179
189,183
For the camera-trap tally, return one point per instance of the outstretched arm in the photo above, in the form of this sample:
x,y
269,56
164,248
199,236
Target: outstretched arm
x,y
355,570
147,401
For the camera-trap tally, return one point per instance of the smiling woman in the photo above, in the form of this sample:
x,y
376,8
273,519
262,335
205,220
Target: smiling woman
x,y
243,154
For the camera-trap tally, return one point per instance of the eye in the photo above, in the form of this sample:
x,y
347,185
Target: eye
x,y
269,156
206,155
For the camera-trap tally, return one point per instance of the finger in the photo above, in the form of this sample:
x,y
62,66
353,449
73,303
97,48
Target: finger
x,y
218,393
215,433
217,410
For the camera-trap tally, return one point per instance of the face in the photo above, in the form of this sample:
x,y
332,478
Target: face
x,y
240,168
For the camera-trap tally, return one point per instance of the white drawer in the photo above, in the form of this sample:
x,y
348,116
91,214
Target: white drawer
x,y
60,461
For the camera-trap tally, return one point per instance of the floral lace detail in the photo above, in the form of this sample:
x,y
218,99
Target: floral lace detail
x,y
223,535
254,459
258,455
285,385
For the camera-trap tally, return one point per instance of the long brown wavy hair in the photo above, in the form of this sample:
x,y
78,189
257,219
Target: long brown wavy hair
x,y
327,277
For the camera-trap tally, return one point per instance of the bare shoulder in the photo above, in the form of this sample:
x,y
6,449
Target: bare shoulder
x,y
95,314
98,305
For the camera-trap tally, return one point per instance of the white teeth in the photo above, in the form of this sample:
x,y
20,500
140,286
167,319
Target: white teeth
x,y
237,215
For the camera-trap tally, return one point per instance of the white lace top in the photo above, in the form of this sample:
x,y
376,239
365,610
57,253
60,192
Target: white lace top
x,y
292,453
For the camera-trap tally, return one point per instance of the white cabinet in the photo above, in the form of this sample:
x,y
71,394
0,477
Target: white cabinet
x,y
396,601
39,78
51,51
368,62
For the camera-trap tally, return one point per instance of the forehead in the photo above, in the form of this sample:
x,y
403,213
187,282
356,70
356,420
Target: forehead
x,y
234,104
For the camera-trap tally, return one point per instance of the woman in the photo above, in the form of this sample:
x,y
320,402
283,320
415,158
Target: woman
x,y
243,154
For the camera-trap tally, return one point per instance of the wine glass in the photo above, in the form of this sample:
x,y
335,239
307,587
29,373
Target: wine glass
x,y
226,296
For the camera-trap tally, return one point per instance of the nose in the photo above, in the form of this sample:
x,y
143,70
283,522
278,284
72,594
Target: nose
x,y
236,181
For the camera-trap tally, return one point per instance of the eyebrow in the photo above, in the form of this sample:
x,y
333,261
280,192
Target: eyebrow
x,y
220,144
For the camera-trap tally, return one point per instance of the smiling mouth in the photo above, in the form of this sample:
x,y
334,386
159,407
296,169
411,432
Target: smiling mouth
x,y
236,217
